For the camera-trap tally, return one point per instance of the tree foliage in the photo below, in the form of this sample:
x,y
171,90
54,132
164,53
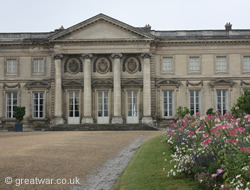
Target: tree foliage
x,y
210,111
242,105
181,112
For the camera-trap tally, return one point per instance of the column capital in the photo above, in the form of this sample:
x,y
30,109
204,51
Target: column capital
x,y
87,56
146,55
58,56
116,55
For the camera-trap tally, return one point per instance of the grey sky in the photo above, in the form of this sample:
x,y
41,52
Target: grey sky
x,y
47,15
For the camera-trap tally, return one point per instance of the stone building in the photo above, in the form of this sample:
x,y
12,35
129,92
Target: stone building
x,y
107,72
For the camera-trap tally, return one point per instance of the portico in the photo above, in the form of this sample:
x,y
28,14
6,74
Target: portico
x,y
100,98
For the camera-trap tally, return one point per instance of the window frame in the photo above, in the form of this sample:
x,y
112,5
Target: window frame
x,y
6,66
12,104
199,103
163,104
226,100
191,71
242,65
162,65
33,66
227,65
33,106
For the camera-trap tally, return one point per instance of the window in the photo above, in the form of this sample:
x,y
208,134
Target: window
x,y
167,65
246,64
194,101
222,101
38,65
194,64
38,105
168,103
221,64
11,66
11,103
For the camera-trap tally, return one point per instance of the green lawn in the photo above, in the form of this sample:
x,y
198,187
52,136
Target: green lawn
x,y
146,172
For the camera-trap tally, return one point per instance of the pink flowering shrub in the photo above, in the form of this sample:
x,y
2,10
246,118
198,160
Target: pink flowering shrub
x,y
213,147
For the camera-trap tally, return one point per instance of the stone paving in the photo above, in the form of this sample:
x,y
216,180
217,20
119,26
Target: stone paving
x,y
92,157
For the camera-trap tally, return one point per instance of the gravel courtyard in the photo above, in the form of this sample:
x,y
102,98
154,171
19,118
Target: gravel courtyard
x,y
58,155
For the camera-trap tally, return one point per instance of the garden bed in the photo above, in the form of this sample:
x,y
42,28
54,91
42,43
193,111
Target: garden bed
x,y
214,149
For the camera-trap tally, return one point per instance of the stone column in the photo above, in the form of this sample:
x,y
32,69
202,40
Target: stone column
x,y
87,98
117,119
147,118
58,90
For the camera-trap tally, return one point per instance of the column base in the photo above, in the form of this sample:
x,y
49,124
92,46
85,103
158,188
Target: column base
x,y
117,120
87,119
57,121
147,120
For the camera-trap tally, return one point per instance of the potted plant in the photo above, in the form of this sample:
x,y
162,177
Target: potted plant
x,y
19,114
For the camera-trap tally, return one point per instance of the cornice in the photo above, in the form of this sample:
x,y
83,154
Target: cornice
x,y
102,41
156,42
202,78
204,42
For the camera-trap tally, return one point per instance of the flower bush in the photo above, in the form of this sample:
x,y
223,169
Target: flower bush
x,y
213,148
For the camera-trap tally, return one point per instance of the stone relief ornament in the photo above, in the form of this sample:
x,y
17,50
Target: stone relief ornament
x,y
102,65
73,65
132,65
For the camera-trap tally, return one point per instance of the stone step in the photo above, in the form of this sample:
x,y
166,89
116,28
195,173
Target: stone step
x,y
101,127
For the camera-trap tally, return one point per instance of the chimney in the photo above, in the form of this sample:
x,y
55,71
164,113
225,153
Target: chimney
x,y
147,28
59,29
228,26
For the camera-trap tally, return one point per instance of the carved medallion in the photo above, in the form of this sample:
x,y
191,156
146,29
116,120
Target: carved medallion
x,y
73,66
132,65
102,65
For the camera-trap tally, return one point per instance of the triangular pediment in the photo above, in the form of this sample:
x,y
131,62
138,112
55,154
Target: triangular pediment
x,y
102,83
222,82
100,27
72,84
107,81
38,84
132,83
168,82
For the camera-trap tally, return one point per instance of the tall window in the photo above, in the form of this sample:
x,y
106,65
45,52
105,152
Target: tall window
x,y
11,103
221,64
222,101
167,65
38,104
168,104
246,64
194,64
11,66
38,65
194,101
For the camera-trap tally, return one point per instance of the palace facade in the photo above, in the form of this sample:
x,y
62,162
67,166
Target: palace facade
x,y
104,71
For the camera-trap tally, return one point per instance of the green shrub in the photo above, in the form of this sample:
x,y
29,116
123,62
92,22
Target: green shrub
x,y
19,113
181,112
